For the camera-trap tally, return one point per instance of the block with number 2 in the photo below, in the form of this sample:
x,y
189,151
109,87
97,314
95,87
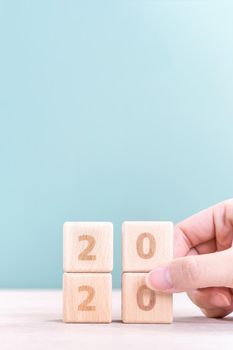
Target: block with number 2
x,y
87,263
87,297
88,247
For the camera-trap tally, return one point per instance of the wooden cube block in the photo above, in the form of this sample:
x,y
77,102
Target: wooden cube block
x,y
142,305
87,297
146,244
88,247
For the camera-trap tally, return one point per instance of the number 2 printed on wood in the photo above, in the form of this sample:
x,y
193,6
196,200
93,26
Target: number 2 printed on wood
x,y
85,304
87,297
85,254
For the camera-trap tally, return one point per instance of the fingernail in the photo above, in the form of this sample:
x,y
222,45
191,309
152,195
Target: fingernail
x,y
159,279
220,300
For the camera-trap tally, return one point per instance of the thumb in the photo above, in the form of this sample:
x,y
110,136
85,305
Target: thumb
x,y
192,272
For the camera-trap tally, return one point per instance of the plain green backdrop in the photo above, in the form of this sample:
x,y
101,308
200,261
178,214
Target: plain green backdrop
x,y
109,110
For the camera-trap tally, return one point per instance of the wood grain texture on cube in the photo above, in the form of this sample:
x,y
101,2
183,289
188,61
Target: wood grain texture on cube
x,y
146,244
142,305
88,247
87,297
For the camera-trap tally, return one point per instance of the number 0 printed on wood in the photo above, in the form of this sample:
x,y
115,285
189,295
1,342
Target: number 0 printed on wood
x,y
141,304
146,244
87,247
141,250
143,293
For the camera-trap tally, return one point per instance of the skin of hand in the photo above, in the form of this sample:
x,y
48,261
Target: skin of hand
x,y
203,261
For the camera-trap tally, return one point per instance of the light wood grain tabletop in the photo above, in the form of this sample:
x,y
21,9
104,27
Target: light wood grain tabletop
x,y
31,319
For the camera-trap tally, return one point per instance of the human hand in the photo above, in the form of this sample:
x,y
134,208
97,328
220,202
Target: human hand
x,y
203,261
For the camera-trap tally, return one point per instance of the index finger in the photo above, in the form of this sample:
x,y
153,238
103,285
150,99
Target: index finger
x,y
214,223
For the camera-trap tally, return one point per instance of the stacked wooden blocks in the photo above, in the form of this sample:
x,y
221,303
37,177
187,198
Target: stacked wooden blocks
x,y
87,265
145,245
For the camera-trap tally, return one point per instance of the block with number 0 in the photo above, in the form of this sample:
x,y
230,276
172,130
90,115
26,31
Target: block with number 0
x,y
145,245
87,247
141,304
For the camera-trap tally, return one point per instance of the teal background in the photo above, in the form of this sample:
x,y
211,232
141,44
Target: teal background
x,y
109,110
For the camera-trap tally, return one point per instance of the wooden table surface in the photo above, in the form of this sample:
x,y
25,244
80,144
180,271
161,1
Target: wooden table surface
x,y
31,319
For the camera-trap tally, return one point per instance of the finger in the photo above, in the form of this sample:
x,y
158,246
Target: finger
x,y
212,298
216,312
203,248
213,302
207,247
192,272
211,223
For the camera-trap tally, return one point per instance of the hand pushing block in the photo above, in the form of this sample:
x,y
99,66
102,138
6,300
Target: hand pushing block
x,y
146,244
87,297
88,247
142,305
